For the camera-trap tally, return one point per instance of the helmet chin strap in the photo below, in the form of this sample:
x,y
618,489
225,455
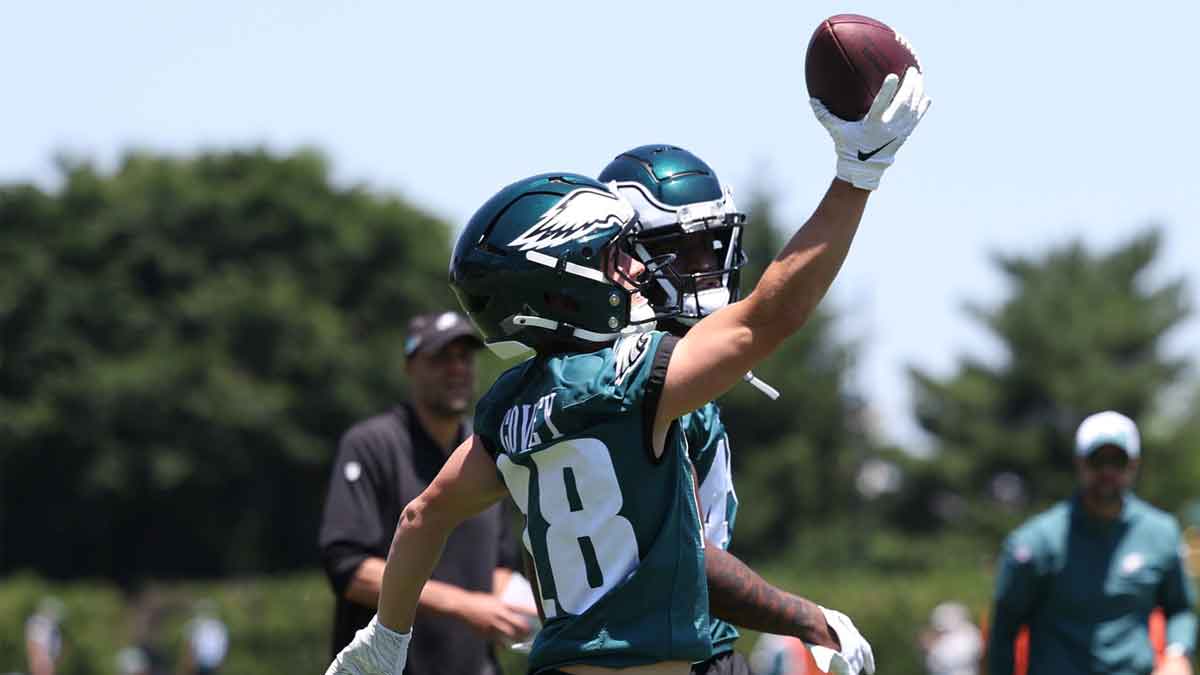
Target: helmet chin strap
x,y
767,390
641,317
512,349
576,332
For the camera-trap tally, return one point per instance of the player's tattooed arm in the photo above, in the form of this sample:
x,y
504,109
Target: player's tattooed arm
x,y
737,594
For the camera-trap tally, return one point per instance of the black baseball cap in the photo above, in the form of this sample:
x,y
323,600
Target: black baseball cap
x,y
431,332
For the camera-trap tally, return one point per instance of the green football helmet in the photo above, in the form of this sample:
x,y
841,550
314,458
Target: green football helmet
x,y
530,267
686,213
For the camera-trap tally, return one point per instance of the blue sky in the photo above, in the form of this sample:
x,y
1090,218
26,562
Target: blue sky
x,y
1050,121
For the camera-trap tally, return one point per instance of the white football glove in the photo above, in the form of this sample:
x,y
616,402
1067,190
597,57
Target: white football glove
x,y
856,655
866,147
375,650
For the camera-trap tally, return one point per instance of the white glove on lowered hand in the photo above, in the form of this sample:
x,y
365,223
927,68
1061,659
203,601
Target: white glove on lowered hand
x,y
375,650
866,147
856,655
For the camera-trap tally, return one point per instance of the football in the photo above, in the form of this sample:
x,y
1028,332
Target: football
x,y
847,59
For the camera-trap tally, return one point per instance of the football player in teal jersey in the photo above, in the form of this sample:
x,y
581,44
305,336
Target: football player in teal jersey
x,y
584,435
685,210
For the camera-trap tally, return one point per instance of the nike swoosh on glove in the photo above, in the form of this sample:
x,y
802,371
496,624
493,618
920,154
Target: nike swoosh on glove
x,y
856,655
375,650
868,146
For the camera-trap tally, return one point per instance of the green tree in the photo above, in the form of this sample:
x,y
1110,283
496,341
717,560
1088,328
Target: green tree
x,y
793,459
1082,332
1171,441
184,340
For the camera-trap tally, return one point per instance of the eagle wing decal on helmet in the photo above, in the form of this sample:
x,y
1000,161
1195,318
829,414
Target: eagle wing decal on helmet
x,y
578,214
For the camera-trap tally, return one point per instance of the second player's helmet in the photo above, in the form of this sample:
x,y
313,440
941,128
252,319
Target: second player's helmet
x,y
687,214
532,267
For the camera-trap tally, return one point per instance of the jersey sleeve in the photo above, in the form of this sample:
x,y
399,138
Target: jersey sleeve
x,y
490,408
718,499
635,375
704,433
636,366
351,525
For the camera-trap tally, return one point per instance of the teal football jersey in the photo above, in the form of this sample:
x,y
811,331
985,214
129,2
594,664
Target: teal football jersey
x,y
613,531
708,447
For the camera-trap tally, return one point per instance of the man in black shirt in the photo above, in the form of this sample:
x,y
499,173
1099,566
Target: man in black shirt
x,y
387,460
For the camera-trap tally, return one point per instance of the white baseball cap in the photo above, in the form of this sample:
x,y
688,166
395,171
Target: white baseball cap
x,y
1107,428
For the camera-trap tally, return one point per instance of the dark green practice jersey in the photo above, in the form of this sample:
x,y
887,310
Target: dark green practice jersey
x,y
614,532
1085,588
708,446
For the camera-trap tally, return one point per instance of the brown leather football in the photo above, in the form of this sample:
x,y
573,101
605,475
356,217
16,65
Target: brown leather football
x,y
847,59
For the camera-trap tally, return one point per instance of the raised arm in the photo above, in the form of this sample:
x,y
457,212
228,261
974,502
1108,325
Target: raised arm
x,y
719,350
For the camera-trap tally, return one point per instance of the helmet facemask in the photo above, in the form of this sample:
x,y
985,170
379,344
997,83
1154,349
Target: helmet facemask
x,y
642,277
695,251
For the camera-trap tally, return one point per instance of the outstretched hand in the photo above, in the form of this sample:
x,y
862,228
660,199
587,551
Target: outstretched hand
x,y
865,148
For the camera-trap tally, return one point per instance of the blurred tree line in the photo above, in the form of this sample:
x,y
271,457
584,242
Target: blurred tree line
x,y
184,340
1081,332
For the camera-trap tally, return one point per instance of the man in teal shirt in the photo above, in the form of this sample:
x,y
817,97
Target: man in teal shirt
x,y
1085,575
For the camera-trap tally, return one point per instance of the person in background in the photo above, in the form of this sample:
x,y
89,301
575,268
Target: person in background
x,y
43,637
952,644
383,463
206,641
1085,575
